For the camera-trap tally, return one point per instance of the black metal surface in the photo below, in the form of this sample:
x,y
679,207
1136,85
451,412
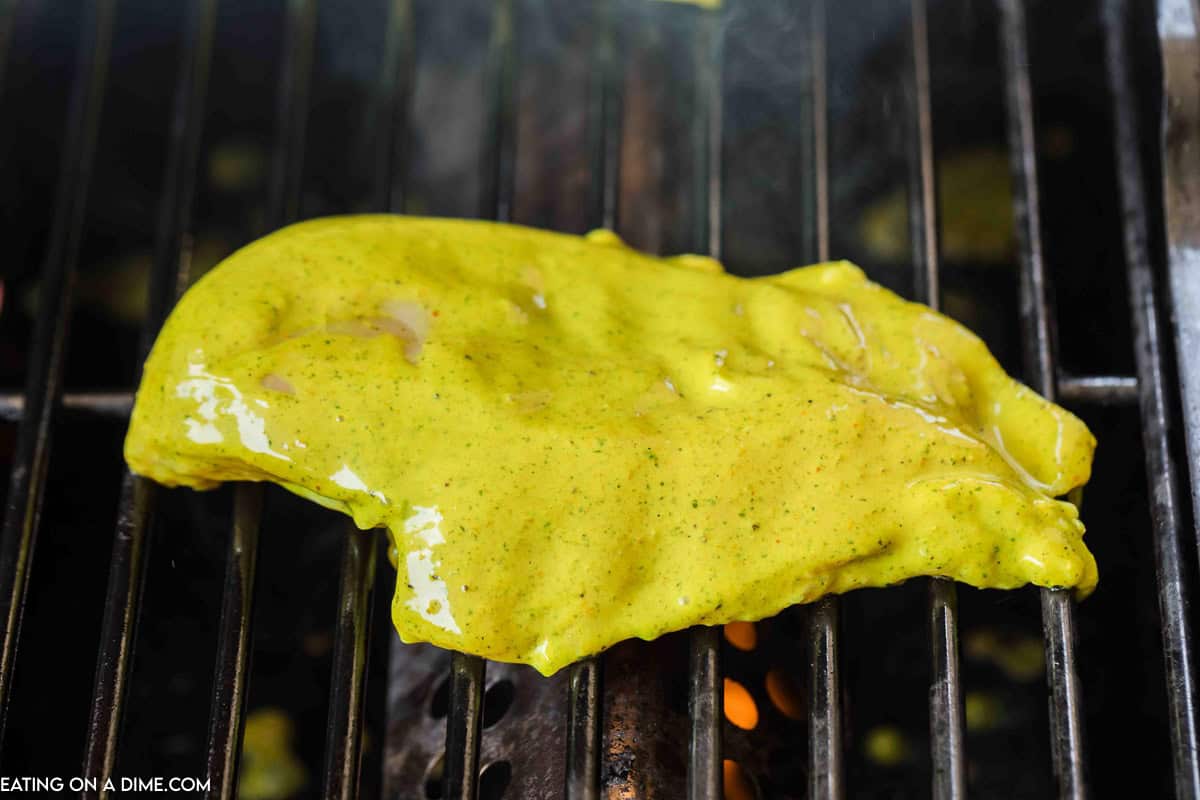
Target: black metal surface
x,y
1161,470
122,600
1058,611
44,382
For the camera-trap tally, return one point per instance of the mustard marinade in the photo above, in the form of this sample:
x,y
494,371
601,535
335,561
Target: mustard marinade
x,y
572,443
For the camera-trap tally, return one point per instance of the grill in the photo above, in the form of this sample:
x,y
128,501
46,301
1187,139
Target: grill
x,y
663,121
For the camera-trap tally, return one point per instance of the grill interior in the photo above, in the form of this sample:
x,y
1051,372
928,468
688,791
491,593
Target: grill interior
x,y
141,142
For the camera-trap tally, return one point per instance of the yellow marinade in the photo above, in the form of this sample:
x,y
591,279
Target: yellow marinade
x,y
572,443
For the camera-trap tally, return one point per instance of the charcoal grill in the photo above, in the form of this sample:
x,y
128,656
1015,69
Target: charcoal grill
x,y
644,720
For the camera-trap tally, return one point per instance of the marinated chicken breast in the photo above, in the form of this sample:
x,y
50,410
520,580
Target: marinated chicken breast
x,y
572,443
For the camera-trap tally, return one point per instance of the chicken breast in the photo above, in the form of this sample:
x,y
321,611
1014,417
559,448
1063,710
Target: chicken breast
x,y
572,443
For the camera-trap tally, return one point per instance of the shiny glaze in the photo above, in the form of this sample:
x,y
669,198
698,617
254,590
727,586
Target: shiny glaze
x,y
572,443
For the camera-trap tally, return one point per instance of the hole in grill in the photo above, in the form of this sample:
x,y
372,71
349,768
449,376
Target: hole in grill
x,y
439,703
434,781
741,635
784,694
496,701
738,783
494,779
740,708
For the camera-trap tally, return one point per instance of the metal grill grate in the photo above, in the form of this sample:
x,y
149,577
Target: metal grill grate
x,y
43,400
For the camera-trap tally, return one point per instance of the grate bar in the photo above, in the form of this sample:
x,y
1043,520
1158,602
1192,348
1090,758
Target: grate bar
x,y
233,635
1103,389
945,691
583,730
605,121
1058,611
705,686
463,724
115,405
43,386
347,693
233,644
394,92
825,764
1180,163
131,542
287,158
705,698
584,688
825,771
351,650
500,155
1178,25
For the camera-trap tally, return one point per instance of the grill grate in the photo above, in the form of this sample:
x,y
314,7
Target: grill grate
x,y
1161,471
44,384
36,409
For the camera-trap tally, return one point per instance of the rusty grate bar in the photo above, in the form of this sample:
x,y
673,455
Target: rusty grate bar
x,y
43,385
1162,474
945,690
1058,610
233,635
131,541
